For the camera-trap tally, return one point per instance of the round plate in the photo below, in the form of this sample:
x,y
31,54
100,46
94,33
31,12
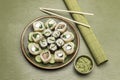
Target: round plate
x,y
30,58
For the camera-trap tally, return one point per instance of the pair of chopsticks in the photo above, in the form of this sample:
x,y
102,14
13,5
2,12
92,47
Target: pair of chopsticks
x,y
49,11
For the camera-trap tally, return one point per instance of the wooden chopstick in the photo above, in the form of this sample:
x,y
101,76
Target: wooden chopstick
x,y
64,17
60,10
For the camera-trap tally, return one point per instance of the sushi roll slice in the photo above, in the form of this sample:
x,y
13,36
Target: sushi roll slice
x,y
59,56
30,36
38,26
61,27
45,56
37,36
53,47
34,48
51,40
59,42
67,36
56,34
69,48
43,43
50,24
47,32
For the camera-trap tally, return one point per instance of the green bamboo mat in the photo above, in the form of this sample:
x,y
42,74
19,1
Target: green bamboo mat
x,y
87,33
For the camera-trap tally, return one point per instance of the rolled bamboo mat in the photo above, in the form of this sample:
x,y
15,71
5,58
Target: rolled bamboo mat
x,y
87,33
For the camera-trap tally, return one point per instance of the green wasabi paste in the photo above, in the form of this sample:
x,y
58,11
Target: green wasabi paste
x,y
83,64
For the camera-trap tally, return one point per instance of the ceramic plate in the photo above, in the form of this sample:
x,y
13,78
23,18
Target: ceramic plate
x,y
30,58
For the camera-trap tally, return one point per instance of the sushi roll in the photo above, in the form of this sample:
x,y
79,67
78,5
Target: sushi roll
x,y
51,40
38,26
69,48
34,48
37,36
59,56
43,43
45,56
56,34
30,36
53,47
61,27
59,42
67,36
47,32
50,24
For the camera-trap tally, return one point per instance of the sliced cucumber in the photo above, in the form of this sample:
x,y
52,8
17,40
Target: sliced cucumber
x,y
30,36
52,61
38,59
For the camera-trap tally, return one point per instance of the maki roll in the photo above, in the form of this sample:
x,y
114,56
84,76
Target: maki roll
x,y
45,56
59,42
37,36
34,48
67,36
47,32
43,43
69,48
61,27
30,36
56,34
51,40
38,26
53,47
50,24
59,56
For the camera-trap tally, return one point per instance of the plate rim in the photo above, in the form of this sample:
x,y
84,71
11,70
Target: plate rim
x,y
42,17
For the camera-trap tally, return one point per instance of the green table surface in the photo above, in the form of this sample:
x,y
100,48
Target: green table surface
x,y
16,14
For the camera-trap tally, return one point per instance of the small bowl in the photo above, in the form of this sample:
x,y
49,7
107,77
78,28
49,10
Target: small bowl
x,y
79,69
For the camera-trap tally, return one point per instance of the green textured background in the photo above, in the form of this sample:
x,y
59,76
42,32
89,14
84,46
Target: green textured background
x,y
15,14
